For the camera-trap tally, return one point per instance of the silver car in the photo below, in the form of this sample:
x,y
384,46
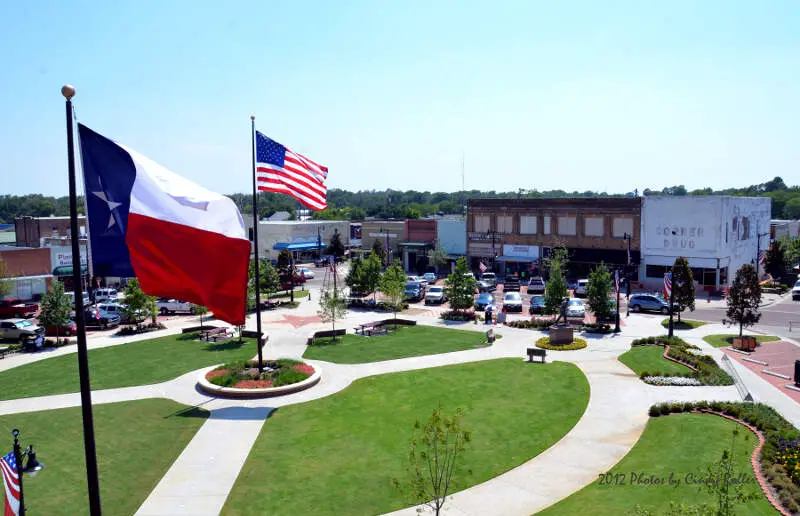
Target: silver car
x,y
575,308
512,302
20,330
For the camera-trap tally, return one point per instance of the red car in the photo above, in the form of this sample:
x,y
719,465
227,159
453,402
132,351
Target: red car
x,y
13,307
65,330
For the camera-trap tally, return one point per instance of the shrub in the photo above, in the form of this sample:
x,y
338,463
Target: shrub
x,y
244,375
597,328
142,328
664,408
654,411
544,343
458,315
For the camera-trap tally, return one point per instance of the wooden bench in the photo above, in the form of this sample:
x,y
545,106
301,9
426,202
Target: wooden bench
x,y
369,329
536,352
215,334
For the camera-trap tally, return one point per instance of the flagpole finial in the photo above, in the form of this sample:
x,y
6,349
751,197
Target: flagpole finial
x,y
252,117
68,90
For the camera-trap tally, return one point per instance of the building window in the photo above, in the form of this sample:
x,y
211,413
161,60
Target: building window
x,y
593,226
656,271
567,226
546,225
504,223
745,228
622,226
481,223
527,225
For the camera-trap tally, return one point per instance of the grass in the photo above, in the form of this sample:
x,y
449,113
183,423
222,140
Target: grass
x,y
137,363
298,294
720,341
137,441
338,455
405,341
684,324
651,359
673,445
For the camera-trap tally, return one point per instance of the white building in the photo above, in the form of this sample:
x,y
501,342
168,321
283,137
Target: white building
x,y
300,237
716,234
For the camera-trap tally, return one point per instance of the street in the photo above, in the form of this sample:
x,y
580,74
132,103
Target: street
x,y
775,318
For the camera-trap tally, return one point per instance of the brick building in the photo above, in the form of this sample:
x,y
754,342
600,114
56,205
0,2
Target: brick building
x,y
31,230
28,269
513,236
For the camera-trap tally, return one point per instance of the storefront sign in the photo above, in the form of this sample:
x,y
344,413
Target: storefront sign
x,y
478,236
62,256
527,251
383,235
680,237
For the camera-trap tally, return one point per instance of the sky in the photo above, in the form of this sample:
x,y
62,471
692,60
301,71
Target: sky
x,y
574,95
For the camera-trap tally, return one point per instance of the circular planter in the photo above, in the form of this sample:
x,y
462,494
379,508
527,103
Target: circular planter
x,y
260,392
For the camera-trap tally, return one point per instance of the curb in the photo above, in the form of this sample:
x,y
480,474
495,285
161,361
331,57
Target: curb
x,y
267,392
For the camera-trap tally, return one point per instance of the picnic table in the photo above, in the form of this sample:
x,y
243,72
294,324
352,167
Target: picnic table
x,y
369,329
214,334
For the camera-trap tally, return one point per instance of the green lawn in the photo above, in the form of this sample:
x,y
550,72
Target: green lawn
x,y
137,441
405,341
651,359
298,294
137,363
672,445
720,341
685,324
338,455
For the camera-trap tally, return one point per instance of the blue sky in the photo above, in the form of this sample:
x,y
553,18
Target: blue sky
x,y
579,95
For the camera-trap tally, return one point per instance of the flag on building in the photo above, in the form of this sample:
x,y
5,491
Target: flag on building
x,y
762,256
179,239
8,463
281,170
616,281
482,267
667,285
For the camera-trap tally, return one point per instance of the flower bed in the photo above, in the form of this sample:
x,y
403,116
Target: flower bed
x,y
459,315
380,306
597,328
142,328
533,324
776,463
706,370
671,380
245,375
544,343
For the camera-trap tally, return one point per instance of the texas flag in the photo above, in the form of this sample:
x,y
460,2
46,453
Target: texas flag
x,y
179,239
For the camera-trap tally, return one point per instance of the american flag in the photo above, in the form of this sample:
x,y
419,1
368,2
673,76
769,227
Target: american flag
x,y
482,267
11,482
761,257
616,280
281,170
667,285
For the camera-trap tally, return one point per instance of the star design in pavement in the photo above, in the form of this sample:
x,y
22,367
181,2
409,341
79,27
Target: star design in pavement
x,y
299,320
111,207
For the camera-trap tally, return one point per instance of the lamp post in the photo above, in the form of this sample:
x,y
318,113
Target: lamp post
x,y
626,236
31,468
616,285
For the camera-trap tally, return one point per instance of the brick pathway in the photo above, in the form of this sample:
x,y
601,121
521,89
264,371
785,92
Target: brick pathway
x,y
779,356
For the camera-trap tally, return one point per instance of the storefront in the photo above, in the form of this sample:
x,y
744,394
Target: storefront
x,y
519,260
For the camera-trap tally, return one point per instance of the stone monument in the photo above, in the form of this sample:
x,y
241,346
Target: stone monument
x,y
560,332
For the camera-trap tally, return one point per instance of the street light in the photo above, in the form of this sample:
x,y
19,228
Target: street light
x,y
32,468
626,236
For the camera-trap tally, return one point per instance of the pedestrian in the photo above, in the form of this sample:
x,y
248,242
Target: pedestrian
x,y
488,315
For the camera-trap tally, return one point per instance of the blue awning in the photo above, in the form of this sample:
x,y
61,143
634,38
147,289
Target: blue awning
x,y
297,246
516,259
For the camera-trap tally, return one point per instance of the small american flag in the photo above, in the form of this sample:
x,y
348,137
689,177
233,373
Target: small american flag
x,y
762,257
11,482
667,285
281,170
616,280
482,267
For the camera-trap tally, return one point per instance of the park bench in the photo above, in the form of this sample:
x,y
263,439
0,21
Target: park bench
x,y
369,329
215,334
536,352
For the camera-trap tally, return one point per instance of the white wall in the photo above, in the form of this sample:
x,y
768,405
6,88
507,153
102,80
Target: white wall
x,y
270,233
452,234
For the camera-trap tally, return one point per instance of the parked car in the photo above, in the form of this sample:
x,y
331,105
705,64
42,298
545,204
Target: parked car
x,y
105,294
97,318
511,284
65,330
417,279
84,295
435,295
648,302
287,283
571,283
119,310
796,291
580,287
575,308
306,272
485,287
429,277
512,302
537,305
414,292
483,300
13,307
536,285
489,277
170,306
20,330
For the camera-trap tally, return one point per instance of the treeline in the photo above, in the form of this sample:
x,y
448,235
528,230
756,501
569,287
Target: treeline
x,y
411,204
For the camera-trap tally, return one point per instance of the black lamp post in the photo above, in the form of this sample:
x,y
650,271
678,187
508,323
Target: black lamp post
x,y
628,270
616,284
31,468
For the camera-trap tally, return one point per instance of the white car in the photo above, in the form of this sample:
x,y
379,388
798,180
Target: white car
x,y
796,291
119,310
168,306
436,295
575,308
512,302
306,272
580,288
105,294
417,279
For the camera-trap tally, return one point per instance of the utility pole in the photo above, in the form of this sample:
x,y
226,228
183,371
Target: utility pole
x,y
671,300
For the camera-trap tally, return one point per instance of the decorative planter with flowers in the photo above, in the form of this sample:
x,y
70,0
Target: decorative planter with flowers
x,y
243,379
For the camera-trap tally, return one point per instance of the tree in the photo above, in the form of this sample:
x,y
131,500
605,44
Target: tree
x,y
460,286
286,270
336,247
379,249
775,260
557,289
437,257
55,307
597,292
792,209
355,276
138,305
270,281
393,286
682,285
791,249
5,284
371,279
744,296
332,307
201,311
435,451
